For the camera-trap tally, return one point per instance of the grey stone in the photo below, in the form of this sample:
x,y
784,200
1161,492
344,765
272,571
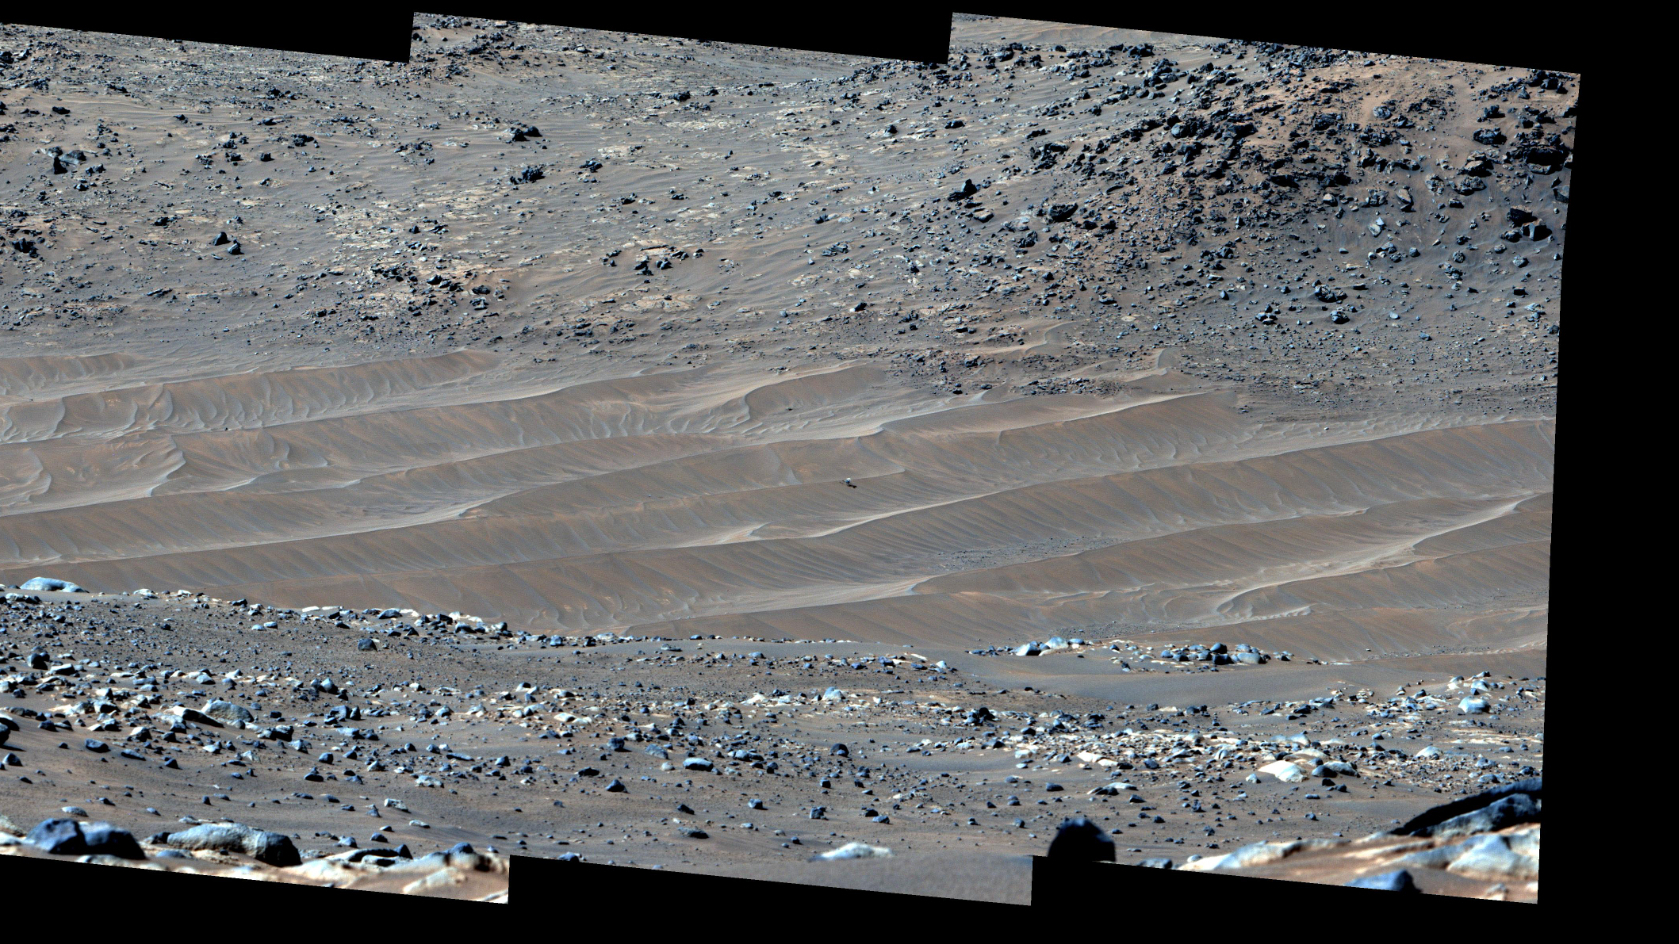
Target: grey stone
x,y
267,847
1398,880
228,711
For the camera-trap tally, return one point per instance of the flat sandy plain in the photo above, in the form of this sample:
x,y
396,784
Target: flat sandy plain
x,y
614,360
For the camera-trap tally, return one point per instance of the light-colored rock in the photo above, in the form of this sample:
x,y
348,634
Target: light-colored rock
x,y
1206,864
183,713
440,879
1284,771
228,711
50,583
855,850
1491,857
1264,853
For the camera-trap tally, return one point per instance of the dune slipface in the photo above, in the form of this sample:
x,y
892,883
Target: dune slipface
x,y
723,457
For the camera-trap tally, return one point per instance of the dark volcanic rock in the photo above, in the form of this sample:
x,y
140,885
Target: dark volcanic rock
x,y
58,836
1509,805
106,839
1079,838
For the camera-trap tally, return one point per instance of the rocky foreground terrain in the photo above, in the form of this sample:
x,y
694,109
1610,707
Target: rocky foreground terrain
x,y
733,755
717,458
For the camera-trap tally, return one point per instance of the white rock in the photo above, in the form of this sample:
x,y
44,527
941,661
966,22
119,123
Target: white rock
x,y
1206,864
1284,771
856,850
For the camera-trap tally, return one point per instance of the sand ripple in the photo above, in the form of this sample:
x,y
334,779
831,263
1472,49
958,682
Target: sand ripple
x,y
712,500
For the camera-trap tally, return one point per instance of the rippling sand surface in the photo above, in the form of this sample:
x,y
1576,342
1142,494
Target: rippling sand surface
x,y
716,497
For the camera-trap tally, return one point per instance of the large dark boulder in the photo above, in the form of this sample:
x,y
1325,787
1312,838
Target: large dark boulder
x,y
1080,839
1494,809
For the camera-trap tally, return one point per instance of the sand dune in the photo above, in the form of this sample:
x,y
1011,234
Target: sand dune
x,y
715,494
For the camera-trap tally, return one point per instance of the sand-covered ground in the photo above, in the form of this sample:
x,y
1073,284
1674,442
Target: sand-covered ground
x,y
649,355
